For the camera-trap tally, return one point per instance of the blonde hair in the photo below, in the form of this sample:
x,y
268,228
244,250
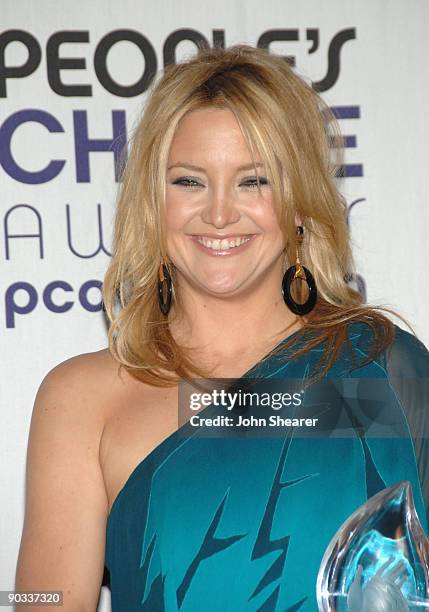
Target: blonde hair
x,y
296,135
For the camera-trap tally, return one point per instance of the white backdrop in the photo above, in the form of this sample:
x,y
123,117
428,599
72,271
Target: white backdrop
x,y
380,50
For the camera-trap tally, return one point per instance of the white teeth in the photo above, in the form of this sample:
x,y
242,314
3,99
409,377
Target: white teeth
x,y
222,245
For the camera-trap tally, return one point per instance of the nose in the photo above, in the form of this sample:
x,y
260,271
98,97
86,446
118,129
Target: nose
x,y
221,209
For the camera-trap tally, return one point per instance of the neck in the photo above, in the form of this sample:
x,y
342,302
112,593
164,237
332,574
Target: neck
x,y
233,328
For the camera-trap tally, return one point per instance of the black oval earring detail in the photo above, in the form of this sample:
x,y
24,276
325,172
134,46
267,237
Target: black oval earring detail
x,y
298,271
164,284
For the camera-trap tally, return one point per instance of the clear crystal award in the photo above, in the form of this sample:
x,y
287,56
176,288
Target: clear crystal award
x,y
378,561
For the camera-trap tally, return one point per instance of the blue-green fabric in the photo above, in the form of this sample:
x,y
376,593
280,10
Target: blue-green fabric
x,y
233,524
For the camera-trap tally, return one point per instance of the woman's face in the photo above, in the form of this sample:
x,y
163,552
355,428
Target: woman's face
x,y
212,202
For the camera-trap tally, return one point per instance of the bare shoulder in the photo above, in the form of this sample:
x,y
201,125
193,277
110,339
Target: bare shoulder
x,y
72,400
85,369
66,504
86,383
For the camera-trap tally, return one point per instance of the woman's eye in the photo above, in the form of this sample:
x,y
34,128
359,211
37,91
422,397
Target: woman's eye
x,y
186,182
191,183
253,182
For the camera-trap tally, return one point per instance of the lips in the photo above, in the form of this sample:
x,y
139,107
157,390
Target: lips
x,y
223,245
221,236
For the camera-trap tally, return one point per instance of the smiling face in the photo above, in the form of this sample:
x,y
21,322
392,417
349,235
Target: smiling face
x,y
222,233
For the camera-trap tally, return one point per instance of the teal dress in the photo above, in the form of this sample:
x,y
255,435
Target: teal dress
x,y
240,523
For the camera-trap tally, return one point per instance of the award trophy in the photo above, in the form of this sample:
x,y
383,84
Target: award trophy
x,y
378,561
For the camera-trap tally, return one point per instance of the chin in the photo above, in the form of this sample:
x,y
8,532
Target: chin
x,y
221,290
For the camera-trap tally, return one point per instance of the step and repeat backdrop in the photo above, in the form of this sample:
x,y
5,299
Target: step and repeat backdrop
x,y
73,80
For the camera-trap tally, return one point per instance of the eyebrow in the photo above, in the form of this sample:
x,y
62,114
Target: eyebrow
x,y
199,169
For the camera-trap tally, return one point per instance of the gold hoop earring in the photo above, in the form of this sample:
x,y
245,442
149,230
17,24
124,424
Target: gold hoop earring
x,y
301,272
165,289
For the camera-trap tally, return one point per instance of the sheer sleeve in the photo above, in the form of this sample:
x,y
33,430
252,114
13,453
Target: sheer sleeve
x,y
407,365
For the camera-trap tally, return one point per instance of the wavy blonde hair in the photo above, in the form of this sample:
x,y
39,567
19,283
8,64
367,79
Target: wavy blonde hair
x,y
293,131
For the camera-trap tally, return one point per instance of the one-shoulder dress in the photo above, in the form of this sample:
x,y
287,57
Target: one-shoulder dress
x,y
236,523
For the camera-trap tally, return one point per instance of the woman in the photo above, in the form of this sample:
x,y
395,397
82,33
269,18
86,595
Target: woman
x,y
231,256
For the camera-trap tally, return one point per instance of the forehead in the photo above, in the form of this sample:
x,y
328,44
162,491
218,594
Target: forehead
x,y
210,133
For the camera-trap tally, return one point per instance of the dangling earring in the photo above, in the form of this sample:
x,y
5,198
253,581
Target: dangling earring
x,y
164,283
299,271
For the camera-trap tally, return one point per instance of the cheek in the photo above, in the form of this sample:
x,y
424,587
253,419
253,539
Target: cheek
x,y
178,212
173,213
266,216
